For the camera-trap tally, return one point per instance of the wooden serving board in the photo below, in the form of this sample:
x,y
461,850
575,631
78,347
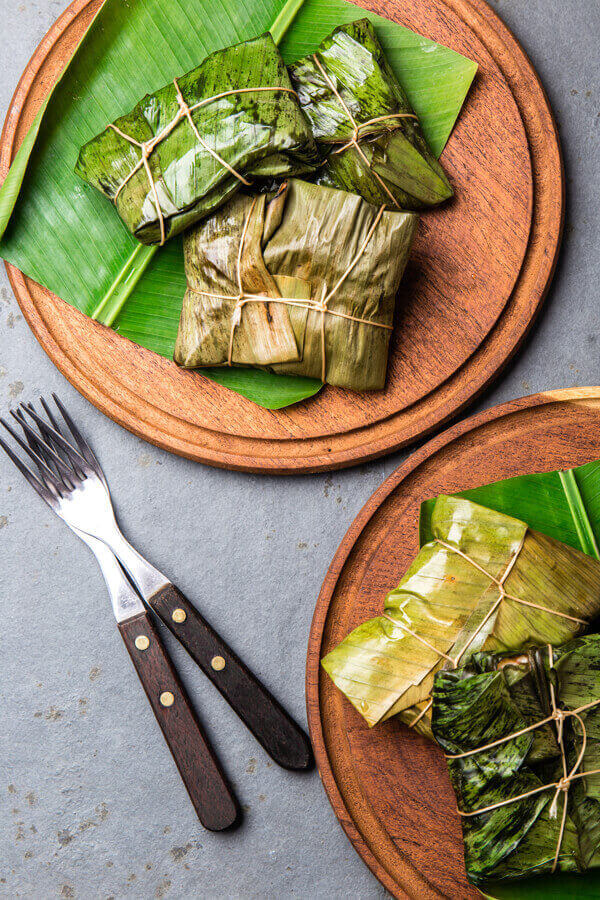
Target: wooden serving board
x,y
477,278
389,786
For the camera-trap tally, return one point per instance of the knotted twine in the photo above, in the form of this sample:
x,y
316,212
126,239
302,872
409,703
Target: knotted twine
x,y
242,298
557,716
361,126
499,582
184,112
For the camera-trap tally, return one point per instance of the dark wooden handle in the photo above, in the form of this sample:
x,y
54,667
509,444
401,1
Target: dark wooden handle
x,y
196,761
270,724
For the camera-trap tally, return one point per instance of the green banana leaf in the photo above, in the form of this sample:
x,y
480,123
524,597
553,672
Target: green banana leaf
x,y
66,236
260,134
493,697
446,607
564,505
348,82
281,257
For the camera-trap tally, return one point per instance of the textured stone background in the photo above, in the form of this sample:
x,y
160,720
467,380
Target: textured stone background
x,y
90,803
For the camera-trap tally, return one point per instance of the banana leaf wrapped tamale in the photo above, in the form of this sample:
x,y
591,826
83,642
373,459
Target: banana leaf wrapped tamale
x,y
363,121
485,582
185,149
522,738
304,283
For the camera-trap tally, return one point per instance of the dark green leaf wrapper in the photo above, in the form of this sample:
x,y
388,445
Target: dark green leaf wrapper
x,y
260,135
302,240
492,697
396,150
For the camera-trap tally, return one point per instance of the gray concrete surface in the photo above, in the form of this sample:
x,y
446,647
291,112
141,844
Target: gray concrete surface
x,y
90,803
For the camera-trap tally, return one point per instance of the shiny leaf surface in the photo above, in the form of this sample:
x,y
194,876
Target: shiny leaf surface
x,y
349,84
259,135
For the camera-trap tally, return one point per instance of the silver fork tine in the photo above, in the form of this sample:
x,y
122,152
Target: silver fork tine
x,y
32,454
61,460
82,444
50,415
48,412
34,446
35,483
43,447
62,469
57,438
57,427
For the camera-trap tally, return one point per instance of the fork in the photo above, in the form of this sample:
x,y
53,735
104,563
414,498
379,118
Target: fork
x,y
71,481
198,765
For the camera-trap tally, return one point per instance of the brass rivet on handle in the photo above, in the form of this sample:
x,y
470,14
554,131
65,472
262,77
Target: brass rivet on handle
x,y
218,663
179,615
167,698
142,642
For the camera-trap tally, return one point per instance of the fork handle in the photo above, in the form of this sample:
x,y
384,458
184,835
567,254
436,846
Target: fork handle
x,y
198,766
270,724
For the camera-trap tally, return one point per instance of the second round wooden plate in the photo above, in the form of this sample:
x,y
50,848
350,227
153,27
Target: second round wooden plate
x,y
479,273
389,786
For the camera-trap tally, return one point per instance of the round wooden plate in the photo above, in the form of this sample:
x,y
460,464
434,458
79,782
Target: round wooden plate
x,y
388,786
478,276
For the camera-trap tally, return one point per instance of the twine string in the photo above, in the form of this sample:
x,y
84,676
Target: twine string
x,y
421,639
188,114
242,298
558,716
184,112
500,583
423,712
503,595
360,127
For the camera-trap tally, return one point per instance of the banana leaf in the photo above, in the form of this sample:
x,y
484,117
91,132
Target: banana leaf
x,y
448,606
280,257
364,121
67,237
564,505
482,703
258,135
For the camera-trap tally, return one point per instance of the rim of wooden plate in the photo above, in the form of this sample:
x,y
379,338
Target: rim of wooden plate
x,y
320,617
400,429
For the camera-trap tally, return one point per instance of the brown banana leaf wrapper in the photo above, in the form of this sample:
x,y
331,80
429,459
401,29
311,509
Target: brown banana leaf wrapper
x,y
259,134
394,164
296,246
490,699
449,603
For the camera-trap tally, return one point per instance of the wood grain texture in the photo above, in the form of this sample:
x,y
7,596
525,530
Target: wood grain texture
x,y
268,721
388,786
479,274
198,766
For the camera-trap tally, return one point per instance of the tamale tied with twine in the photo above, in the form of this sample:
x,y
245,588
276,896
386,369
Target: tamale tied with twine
x,y
363,122
184,113
526,809
232,122
304,283
485,582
